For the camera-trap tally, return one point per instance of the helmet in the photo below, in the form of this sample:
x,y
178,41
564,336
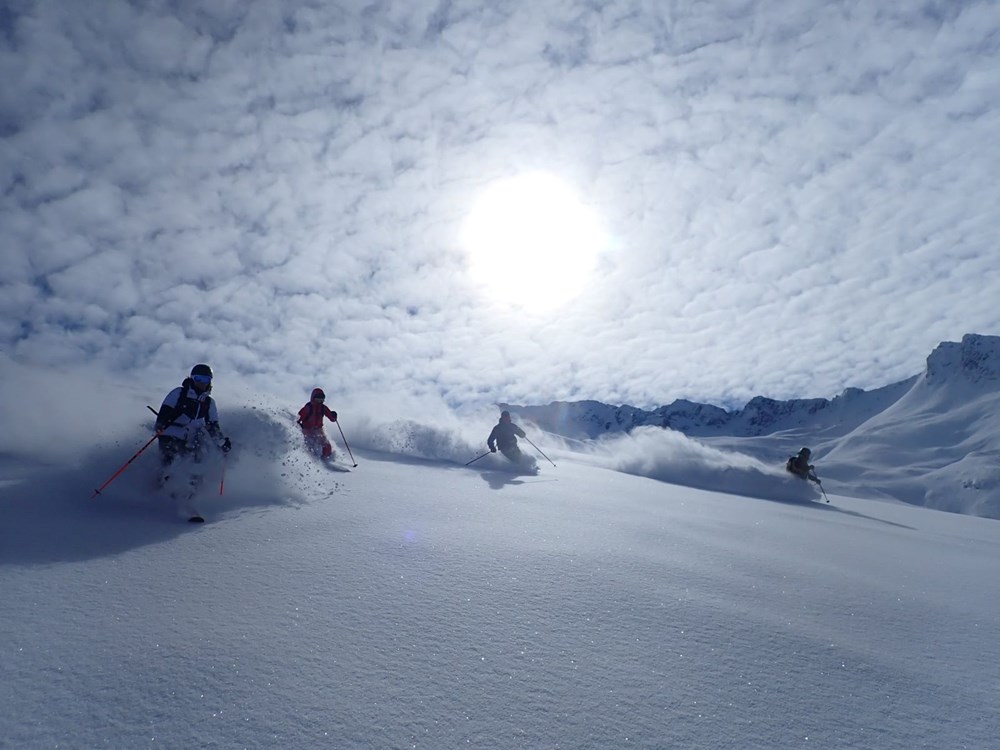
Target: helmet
x,y
201,370
505,416
318,393
805,452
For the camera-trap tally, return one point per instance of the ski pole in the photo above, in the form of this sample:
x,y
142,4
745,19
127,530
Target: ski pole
x,y
821,489
137,454
479,457
345,443
540,451
126,465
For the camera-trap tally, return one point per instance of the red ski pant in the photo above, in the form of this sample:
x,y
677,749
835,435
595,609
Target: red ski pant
x,y
317,442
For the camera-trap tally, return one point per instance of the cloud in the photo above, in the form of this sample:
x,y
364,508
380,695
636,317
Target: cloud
x,y
798,199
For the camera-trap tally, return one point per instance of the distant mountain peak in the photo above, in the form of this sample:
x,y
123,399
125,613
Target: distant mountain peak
x,y
975,359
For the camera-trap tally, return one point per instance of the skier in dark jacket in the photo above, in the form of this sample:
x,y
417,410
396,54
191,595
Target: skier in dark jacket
x,y
799,466
504,436
188,422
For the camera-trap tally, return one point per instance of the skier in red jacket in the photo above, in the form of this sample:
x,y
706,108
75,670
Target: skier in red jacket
x,y
311,421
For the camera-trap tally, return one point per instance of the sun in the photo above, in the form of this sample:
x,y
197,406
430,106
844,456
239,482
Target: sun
x,y
531,242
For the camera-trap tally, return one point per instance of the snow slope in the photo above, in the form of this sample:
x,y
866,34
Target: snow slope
x,y
931,440
416,602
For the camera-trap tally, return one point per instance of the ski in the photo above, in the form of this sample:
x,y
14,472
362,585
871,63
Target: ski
x,y
187,511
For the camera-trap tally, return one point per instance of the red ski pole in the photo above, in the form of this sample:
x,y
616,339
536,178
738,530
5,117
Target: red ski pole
x,y
137,454
125,465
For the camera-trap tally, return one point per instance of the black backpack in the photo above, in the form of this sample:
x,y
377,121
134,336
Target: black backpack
x,y
201,411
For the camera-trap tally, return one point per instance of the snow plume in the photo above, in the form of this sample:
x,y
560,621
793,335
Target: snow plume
x,y
672,457
260,473
429,429
53,414
90,417
407,437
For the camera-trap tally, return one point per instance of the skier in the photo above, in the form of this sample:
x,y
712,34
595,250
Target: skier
x,y
311,421
188,423
799,466
504,436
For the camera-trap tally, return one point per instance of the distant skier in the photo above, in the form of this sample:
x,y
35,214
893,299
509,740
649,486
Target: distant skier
x,y
311,421
799,466
504,436
188,423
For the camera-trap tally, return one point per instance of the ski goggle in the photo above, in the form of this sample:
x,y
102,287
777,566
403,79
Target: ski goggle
x,y
319,398
202,379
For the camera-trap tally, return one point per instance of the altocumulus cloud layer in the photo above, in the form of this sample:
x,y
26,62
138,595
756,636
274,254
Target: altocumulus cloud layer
x,y
799,196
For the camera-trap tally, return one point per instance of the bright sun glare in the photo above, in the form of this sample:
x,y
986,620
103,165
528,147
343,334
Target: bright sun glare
x,y
531,242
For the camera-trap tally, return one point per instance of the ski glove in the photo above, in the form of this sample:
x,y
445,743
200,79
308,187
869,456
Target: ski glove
x,y
492,449
225,446
333,416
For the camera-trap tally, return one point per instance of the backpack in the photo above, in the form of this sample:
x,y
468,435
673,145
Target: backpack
x,y
163,421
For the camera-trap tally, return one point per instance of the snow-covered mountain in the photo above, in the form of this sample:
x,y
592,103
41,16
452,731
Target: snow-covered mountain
x,y
760,416
931,439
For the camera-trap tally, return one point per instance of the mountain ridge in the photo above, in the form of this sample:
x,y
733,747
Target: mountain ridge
x,y
975,360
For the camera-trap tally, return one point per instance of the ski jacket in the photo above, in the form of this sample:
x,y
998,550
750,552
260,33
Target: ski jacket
x,y
503,435
188,414
311,418
800,467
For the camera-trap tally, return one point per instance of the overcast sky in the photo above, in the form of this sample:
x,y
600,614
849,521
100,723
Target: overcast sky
x,y
748,197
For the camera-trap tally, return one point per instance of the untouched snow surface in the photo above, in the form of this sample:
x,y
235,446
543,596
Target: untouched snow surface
x,y
417,603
